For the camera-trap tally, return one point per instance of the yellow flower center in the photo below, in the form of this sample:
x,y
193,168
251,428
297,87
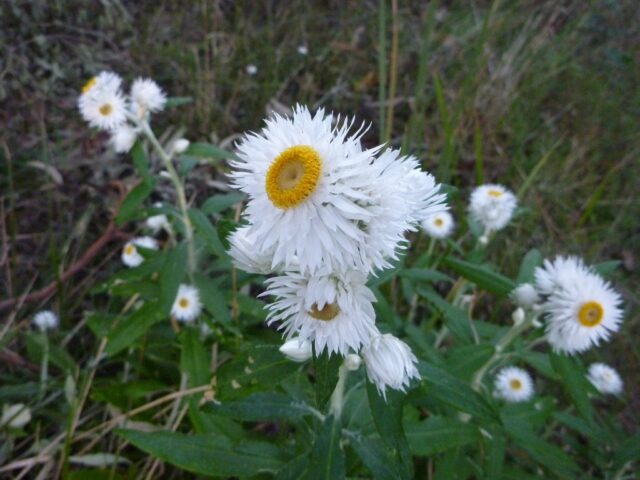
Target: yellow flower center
x,y
106,109
293,176
129,249
87,86
495,193
515,384
183,302
590,314
438,222
326,313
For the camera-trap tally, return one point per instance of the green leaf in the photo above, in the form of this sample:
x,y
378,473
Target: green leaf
x,y
530,261
497,446
373,455
541,451
455,393
178,101
130,206
327,458
206,150
194,360
464,361
207,454
204,227
387,417
130,328
424,275
628,451
437,434
457,320
213,299
491,281
141,162
607,268
218,203
171,276
326,375
574,380
263,406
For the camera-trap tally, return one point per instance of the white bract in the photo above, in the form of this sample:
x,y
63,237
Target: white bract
x,y
15,416
513,384
389,363
123,138
297,350
525,295
102,103
332,311
46,320
146,96
187,305
581,309
306,180
605,378
439,225
130,255
492,206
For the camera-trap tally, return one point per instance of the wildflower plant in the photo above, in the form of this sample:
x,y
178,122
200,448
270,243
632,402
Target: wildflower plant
x,y
322,317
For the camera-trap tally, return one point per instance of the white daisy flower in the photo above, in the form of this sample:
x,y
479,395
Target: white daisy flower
x,y
159,222
402,196
146,96
332,311
46,320
492,206
525,295
187,305
581,309
246,256
102,103
297,350
439,225
303,49
130,255
389,363
251,69
306,180
123,138
513,384
605,378
15,416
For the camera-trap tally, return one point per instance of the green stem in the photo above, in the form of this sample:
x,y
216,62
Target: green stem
x,y
503,343
44,368
182,199
337,397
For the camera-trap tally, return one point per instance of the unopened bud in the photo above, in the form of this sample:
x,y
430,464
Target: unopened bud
x,y
297,350
352,362
181,145
517,316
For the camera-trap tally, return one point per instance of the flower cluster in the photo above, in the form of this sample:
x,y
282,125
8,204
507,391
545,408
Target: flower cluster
x,y
323,214
104,105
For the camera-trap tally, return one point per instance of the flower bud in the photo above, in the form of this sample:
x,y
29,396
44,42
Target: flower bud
x,y
181,145
297,350
352,362
517,316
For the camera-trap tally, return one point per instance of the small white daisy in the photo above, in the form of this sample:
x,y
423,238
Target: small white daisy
x,y
15,416
251,69
102,103
306,180
333,311
146,96
130,255
297,350
492,206
525,295
46,320
439,225
159,222
605,378
303,49
389,363
513,384
187,305
123,138
581,308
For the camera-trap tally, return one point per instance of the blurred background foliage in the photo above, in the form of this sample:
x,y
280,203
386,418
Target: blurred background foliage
x,y
541,96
